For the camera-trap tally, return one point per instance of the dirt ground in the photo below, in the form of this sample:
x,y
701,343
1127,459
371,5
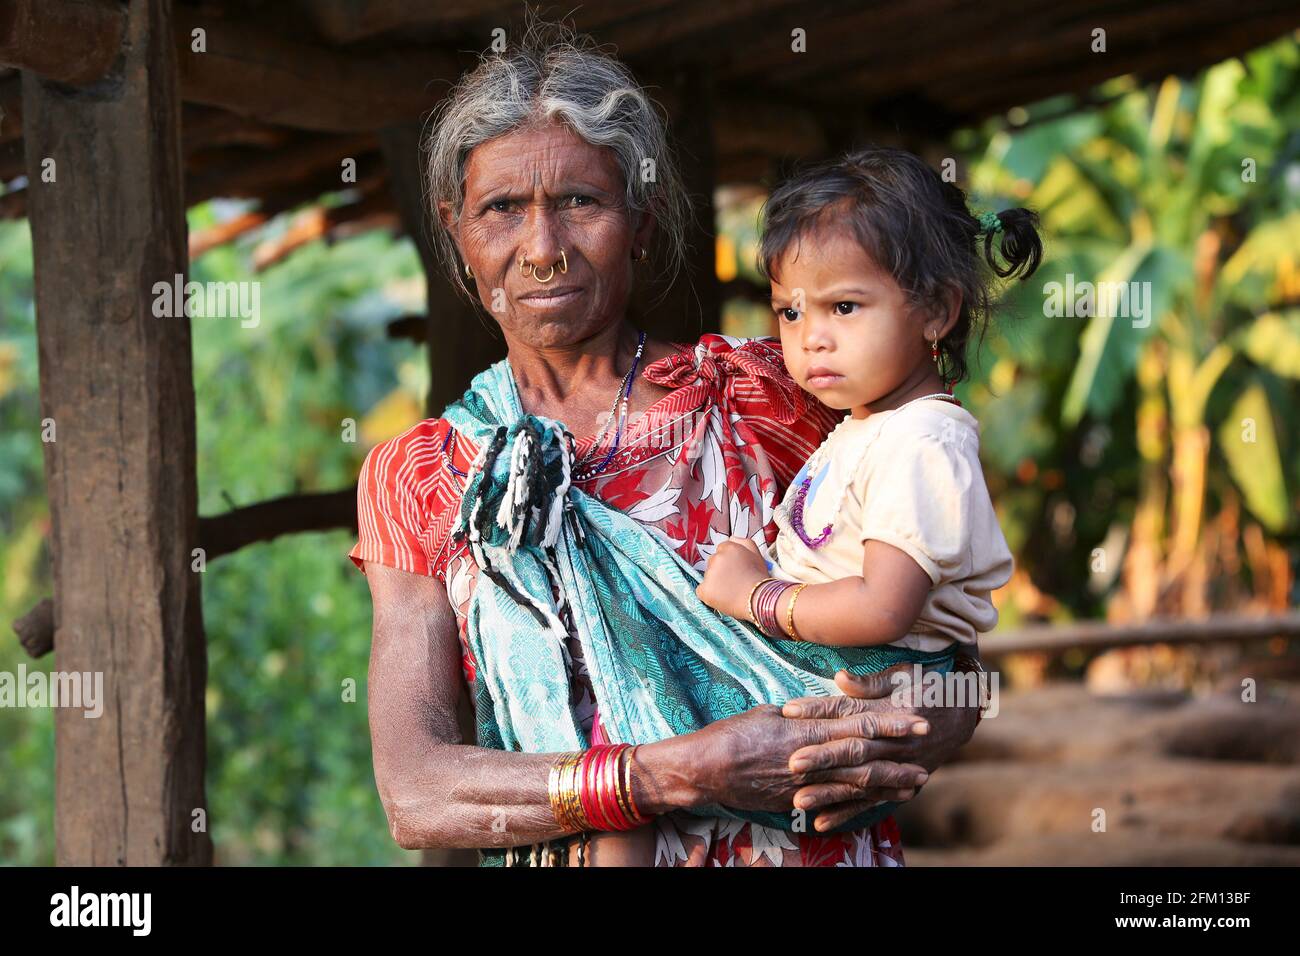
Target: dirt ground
x,y
1067,776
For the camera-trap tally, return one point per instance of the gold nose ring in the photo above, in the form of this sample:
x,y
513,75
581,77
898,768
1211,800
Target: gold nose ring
x,y
550,270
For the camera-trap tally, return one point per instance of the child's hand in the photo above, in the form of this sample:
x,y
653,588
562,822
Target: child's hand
x,y
731,574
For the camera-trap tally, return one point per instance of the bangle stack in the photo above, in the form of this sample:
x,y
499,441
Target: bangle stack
x,y
765,603
592,789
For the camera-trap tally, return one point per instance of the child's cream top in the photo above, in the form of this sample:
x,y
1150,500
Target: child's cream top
x,y
911,478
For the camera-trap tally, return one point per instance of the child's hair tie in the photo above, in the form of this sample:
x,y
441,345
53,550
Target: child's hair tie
x,y
989,222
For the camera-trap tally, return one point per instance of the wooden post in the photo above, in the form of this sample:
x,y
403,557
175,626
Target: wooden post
x,y
462,340
108,221
694,304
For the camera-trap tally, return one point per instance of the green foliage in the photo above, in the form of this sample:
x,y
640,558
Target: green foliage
x,y
1194,188
289,764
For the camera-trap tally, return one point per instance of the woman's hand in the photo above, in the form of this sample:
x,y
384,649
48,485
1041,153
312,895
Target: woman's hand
x,y
853,769
730,576
744,762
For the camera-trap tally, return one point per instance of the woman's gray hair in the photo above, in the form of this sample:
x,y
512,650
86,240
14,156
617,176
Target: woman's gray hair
x,y
554,74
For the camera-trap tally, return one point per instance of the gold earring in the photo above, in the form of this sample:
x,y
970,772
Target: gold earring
x,y
642,255
564,262
526,272
469,273
550,274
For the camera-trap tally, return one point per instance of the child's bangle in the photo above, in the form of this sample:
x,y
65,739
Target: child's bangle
x,y
767,600
750,603
789,614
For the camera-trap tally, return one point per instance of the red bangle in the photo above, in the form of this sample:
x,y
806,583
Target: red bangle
x,y
598,788
587,789
609,790
603,792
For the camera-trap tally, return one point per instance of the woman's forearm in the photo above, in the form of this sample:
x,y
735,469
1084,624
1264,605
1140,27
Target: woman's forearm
x,y
458,795
466,796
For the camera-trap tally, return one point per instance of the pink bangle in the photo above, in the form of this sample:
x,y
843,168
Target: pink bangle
x,y
764,604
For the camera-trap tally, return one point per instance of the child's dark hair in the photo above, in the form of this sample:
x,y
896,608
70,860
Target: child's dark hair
x,y
914,225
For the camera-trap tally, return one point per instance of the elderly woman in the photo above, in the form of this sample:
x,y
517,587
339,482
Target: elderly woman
x,y
546,568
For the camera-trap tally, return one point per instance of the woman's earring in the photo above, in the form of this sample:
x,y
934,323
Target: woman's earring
x,y
642,255
469,273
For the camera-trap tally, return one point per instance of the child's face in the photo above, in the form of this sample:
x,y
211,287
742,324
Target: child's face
x,y
848,333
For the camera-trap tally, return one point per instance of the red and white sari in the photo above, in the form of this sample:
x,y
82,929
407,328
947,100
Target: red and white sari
x,y
709,460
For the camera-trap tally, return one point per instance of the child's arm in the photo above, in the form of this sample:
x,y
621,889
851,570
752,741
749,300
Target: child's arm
x,y
879,607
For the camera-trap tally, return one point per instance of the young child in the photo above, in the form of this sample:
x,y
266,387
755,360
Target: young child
x,y
880,278
887,534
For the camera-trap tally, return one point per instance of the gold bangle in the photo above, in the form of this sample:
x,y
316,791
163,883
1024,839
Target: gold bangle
x,y
574,813
624,789
749,605
560,788
625,783
789,614
573,796
627,777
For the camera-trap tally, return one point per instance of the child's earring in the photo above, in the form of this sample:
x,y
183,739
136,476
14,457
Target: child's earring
x,y
934,354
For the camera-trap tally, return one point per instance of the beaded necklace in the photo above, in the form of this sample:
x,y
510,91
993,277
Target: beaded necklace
x,y
620,402
801,496
624,390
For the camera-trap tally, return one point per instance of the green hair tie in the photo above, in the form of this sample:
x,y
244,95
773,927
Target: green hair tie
x,y
989,222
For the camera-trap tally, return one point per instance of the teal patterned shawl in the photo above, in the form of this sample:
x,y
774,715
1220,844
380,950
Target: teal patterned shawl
x,y
661,662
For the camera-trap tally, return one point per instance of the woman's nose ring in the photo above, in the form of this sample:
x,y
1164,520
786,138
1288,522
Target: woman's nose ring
x,y
527,268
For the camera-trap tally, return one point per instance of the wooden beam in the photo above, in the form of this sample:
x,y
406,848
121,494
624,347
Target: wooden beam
x,y
462,341
67,41
317,511
13,163
348,21
120,474
374,211
11,108
1101,636
258,72
206,127
251,173
35,629
13,205
412,327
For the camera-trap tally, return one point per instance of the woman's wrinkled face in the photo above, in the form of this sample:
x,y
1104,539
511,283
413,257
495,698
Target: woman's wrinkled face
x,y
533,193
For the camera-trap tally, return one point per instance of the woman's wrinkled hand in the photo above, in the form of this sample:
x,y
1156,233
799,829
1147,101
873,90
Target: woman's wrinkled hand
x,y
730,576
856,766
745,761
